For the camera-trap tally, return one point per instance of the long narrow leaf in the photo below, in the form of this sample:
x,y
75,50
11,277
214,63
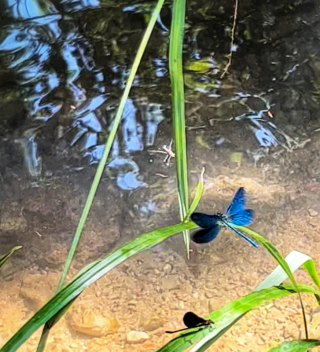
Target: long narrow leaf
x,y
295,260
225,317
273,251
296,346
89,275
104,158
50,323
110,140
8,255
177,86
197,197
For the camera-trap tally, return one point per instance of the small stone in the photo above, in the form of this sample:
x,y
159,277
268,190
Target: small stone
x,y
48,173
151,323
137,337
91,320
170,282
167,268
312,212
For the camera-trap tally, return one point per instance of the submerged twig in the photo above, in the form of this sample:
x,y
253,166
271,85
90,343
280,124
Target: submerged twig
x,y
232,40
167,149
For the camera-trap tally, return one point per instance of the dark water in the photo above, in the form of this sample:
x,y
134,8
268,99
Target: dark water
x,y
63,67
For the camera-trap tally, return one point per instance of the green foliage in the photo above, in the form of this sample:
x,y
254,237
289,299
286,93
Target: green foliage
x,y
223,318
104,158
296,346
268,290
86,277
294,260
8,255
50,323
177,87
227,316
273,251
110,140
197,197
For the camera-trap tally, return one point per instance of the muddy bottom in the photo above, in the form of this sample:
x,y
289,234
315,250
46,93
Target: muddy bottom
x,y
149,293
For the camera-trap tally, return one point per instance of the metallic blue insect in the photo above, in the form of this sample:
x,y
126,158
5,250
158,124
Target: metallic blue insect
x,y
235,214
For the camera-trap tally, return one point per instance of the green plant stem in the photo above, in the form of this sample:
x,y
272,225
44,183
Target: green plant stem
x,y
178,115
109,143
50,313
104,158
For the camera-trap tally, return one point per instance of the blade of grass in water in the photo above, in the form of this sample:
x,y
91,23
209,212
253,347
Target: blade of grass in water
x,y
8,255
279,258
86,277
228,315
110,140
59,304
177,86
104,158
237,309
197,197
296,346
294,259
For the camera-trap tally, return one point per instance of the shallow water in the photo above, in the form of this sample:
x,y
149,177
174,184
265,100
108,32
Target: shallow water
x,y
256,128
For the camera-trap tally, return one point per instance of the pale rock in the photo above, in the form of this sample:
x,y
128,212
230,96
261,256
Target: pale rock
x,y
137,337
151,321
170,282
91,320
167,268
312,212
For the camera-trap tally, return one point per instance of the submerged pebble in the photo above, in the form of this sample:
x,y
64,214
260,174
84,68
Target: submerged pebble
x,y
91,321
137,337
312,212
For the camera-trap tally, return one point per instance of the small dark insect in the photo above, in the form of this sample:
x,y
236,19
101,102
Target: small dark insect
x,y
191,320
235,214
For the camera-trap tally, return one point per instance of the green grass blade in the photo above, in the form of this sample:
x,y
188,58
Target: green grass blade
x,y
312,271
273,251
296,346
50,323
89,275
197,197
53,321
225,317
8,255
178,115
294,260
109,142
207,343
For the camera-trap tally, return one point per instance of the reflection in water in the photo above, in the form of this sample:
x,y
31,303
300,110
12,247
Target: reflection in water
x,y
127,171
29,45
266,132
138,130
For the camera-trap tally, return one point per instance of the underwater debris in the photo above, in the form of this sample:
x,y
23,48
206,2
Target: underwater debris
x,y
127,173
167,149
